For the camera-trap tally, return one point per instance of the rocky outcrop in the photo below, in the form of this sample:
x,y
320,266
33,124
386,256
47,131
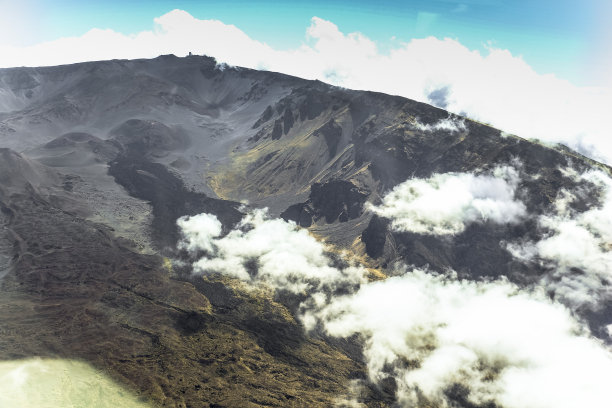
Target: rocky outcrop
x,y
336,200
375,236
332,133
265,116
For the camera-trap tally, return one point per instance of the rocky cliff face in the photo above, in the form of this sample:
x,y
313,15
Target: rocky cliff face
x,y
100,159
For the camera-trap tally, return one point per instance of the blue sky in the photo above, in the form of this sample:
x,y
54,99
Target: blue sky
x,y
561,37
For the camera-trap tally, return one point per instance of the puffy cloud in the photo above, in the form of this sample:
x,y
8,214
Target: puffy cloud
x,y
268,251
577,248
445,204
431,333
199,232
493,86
176,32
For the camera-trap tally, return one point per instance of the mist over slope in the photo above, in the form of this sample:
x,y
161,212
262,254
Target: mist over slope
x,y
407,256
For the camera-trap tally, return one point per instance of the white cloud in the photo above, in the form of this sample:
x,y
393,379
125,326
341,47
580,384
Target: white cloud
x,y
449,124
578,248
494,86
199,232
445,204
268,251
352,397
515,348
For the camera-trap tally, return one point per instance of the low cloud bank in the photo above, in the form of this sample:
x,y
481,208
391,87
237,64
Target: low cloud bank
x,y
268,251
577,248
445,204
502,345
439,338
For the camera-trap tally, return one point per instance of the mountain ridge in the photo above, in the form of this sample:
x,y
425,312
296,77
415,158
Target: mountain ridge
x,y
131,146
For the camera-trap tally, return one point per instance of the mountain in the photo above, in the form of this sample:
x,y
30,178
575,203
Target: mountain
x,y
99,160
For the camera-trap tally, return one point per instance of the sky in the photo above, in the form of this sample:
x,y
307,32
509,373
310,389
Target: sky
x,y
538,69
561,37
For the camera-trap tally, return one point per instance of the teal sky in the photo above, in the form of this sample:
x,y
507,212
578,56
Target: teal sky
x,y
561,37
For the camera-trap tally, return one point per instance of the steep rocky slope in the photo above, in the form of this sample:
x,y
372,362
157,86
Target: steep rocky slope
x,y
100,159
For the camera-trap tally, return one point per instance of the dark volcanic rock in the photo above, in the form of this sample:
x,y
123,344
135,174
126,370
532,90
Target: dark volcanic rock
x,y
313,104
170,199
332,133
375,236
265,116
336,200
277,131
287,121
300,213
